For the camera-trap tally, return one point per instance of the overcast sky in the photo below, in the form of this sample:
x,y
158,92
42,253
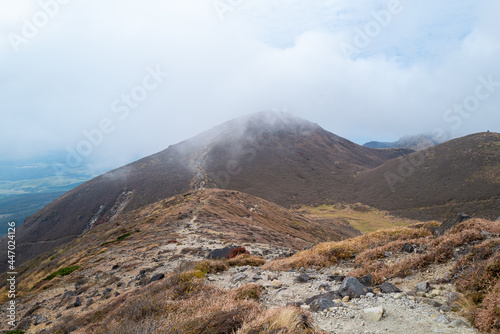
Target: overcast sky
x,y
365,70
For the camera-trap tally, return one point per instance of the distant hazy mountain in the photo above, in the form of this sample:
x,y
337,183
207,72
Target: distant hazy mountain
x,y
416,143
275,156
285,160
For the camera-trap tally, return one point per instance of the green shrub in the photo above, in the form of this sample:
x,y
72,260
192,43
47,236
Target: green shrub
x,y
61,272
120,238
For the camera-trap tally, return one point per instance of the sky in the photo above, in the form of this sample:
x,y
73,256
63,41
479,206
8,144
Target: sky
x,y
108,82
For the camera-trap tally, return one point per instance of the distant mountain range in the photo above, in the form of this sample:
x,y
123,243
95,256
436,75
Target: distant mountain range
x,y
285,160
416,143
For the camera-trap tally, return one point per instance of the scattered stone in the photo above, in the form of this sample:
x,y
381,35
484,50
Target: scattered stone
x,y
329,295
157,278
397,296
370,295
276,284
90,301
106,293
409,248
272,277
452,298
78,302
388,288
221,253
345,299
353,288
324,286
372,314
423,287
239,277
366,280
445,309
336,278
442,319
302,278
116,266
458,323
39,319
322,304
256,277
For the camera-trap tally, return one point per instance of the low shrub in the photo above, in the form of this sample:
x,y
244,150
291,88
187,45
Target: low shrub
x,y
246,260
237,251
249,291
61,272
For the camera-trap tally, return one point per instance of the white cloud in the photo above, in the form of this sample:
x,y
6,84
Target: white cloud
x,y
263,55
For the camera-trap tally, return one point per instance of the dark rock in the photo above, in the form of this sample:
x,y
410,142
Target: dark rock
x,y
256,277
39,319
142,272
388,288
239,277
452,298
68,294
157,278
324,286
322,304
353,288
366,280
295,304
24,324
409,248
116,266
120,284
106,293
90,301
78,302
329,295
221,253
336,278
445,309
302,278
423,287
450,223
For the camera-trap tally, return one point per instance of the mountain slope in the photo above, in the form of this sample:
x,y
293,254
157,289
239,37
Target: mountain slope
x,y
271,155
459,175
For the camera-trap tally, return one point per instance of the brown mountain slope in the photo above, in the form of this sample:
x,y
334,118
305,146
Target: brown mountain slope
x,y
459,175
271,155
210,218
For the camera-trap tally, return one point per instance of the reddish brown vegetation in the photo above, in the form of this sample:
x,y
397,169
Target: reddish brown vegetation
x,y
237,251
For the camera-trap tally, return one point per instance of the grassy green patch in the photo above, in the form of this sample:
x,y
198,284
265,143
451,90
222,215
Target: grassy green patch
x,y
120,238
17,331
361,217
61,272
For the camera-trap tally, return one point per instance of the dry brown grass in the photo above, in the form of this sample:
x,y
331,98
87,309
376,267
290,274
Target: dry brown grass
x,y
183,303
329,253
479,279
217,266
477,274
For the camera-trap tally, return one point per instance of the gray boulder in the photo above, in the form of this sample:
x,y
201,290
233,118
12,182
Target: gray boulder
x,y
302,278
388,288
423,287
322,304
353,288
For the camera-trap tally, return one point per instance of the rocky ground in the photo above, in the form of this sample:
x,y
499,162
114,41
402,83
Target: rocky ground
x,y
422,303
428,311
